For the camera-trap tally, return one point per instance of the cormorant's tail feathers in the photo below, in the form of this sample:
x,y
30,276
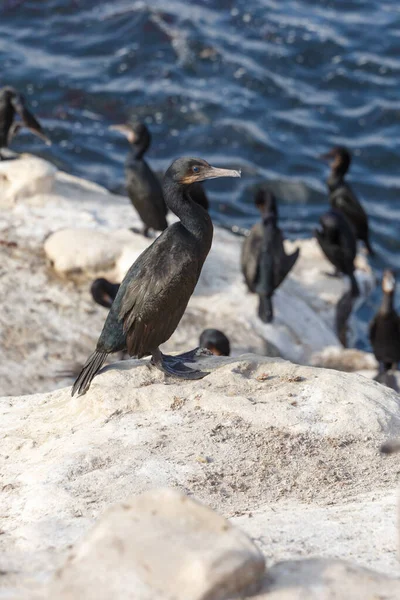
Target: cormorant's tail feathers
x,y
91,367
265,310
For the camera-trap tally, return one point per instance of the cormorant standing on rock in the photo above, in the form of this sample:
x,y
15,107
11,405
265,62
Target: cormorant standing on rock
x,y
156,290
264,262
104,292
12,103
384,329
215,341
338,243
342,197
143,187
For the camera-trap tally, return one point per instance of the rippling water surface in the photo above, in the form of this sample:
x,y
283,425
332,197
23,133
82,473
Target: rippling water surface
x,y
263,85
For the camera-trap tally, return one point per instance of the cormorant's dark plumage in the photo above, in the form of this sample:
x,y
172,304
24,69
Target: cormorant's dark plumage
x,y
12,103
342,197
385,328
104,292
156,290
264,261
338,243
215,341
143,186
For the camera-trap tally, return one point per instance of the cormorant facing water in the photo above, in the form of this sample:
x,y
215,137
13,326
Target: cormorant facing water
x,y
215,341
264,262
156,290
338,243
104,292
142,185
12,103
342,197
384,330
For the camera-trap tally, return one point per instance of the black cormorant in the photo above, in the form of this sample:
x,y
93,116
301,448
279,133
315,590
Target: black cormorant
x,y
338,243
342,197
12,103
104,292
156,290
215,341
384,329
142,185
264,261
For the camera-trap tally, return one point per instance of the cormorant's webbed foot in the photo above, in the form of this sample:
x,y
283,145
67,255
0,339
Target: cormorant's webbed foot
x,y
172,365
191,355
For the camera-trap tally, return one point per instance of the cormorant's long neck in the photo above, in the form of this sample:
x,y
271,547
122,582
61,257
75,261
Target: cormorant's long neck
x,y
140,147
336,178
387,303
192,216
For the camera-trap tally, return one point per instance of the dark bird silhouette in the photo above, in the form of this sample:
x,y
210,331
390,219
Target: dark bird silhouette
x,y
342,197
143,186
12,104
264,261
104,292
384,329
156,290
338,243
215,341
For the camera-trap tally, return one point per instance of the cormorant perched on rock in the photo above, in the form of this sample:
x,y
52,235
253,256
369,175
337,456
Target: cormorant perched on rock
x,y
215,341
156,290
338,243
384,329
342,197
104,292
143,187
264,261
12,103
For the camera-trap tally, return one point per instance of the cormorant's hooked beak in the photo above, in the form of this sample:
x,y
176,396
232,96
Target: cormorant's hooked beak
x,y
214,172
126,131
327,155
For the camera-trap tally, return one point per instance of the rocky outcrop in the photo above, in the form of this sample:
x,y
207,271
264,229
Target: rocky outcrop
x,y
289,453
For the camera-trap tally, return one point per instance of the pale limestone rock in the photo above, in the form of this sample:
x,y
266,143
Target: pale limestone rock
x,y
327,579
23,177
344,359
300,442
85,252
160,545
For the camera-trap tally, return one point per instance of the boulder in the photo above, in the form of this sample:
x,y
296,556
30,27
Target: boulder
x,y
160,545
327,579
22,177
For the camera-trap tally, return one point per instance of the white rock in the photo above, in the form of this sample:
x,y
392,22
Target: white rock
x,y
324,579
24,177
87,252
160,545
298,442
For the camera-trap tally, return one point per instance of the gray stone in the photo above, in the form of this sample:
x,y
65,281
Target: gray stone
x,y
160,545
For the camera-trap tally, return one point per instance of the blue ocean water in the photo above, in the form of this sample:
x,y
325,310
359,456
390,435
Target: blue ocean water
x,y
263,85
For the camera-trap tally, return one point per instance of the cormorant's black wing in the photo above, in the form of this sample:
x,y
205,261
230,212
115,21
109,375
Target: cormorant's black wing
x,y
28,119
250,259
283,263
154,295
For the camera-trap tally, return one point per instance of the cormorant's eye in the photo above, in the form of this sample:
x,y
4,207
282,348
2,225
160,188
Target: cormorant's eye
x,y
195,169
